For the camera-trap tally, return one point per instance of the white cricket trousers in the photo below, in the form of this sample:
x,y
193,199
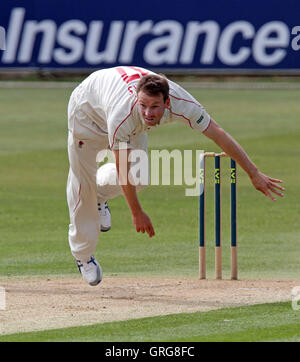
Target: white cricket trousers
x,y
87,185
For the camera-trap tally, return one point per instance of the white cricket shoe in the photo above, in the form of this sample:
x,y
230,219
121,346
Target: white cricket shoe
x,y
91,271
105,217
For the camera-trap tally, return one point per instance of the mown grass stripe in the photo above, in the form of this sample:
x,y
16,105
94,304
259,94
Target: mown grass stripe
x,y
265,322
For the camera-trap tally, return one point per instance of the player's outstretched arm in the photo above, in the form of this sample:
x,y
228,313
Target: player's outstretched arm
x,y
263,183
140,219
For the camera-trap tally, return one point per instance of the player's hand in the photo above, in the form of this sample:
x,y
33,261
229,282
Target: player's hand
x,y
142,223
267,185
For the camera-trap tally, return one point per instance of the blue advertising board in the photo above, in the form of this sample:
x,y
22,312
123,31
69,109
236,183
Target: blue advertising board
x,y
223,35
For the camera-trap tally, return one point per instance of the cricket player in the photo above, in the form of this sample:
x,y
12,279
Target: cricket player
x,y
115,109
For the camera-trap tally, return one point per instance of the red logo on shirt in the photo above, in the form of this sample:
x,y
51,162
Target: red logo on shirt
x,y
80,144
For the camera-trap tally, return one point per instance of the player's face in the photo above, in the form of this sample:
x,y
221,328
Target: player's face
x,y
152,107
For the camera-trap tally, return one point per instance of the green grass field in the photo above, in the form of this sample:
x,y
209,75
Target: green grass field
x,y
34,215
266,322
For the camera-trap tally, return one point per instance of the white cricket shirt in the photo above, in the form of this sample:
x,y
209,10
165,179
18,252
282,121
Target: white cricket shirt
x,y
108,97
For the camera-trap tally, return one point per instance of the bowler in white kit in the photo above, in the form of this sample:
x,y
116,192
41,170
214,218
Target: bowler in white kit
x,y
114,109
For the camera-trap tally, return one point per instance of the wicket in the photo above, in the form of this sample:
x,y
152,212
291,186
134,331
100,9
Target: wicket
x,y
218,225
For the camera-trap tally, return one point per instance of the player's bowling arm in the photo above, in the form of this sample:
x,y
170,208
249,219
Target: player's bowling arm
x,y
140,219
